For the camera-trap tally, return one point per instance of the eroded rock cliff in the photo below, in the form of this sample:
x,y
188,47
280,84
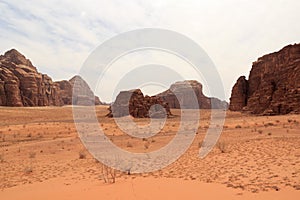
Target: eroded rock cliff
x,y
273,86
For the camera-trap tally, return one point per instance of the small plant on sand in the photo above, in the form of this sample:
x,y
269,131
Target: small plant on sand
x,y
1,158
269,124
238,126
108,174
32,154
260,131
147,145
222,146
82,154
129,144
28,170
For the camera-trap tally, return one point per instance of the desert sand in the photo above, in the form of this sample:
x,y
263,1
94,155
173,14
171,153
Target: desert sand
x,y
42,157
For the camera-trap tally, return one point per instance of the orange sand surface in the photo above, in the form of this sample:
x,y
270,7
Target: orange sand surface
x,y
41,157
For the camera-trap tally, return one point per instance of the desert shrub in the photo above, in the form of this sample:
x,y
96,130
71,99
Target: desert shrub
x,y
222,146
268,124
32,154
28,170
146,145
260,131
1,158
238,126
199,144
129,144
82,154
108,174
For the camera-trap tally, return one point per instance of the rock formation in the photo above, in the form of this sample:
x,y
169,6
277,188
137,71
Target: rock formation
x,y
180,89
69,89
134,103
273,86
22,85
239,95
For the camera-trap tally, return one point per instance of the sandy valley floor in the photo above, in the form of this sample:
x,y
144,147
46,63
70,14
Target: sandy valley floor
x,y
41,157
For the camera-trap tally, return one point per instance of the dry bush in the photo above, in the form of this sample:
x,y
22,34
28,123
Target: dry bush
x,y
28,170
32,154
1,158
269,124
147,145
260,131
129,144
238,126
222,146
108,174
82,154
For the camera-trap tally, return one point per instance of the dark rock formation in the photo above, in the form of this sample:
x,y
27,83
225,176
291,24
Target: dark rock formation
x,y
180,89
239,95
22,85
134,103
273,86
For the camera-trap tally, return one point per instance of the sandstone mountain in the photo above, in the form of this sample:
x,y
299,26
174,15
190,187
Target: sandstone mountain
x,y
273,86
134,103
22,85
183,96
86,96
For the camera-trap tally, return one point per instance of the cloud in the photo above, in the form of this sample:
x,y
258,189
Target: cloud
x,y
58,36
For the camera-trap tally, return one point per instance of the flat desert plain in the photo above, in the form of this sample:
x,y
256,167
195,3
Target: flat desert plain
x,y
42,157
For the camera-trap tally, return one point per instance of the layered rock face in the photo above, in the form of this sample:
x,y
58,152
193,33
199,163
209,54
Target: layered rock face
x,y
179,92
134,103
22,85
273,87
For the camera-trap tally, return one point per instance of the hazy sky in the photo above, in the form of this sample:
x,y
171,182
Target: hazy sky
x,y
58,36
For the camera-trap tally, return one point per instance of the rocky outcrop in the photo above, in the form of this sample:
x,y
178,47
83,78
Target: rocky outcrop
x,y
79,91
134,103
273,86
239,95
22,85
178,92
